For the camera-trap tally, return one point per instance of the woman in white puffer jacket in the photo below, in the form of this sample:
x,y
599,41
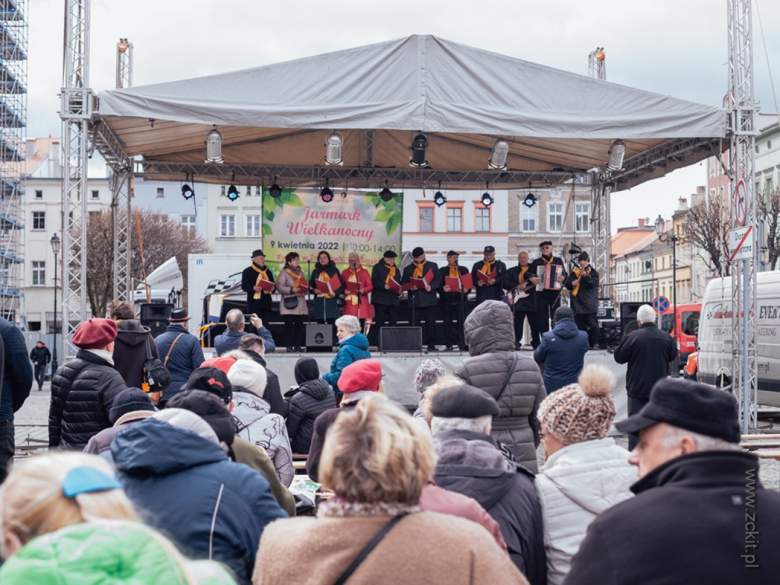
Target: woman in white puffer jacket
x,y
585,472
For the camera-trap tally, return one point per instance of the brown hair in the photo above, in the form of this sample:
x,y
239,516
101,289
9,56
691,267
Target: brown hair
x,y
291,256
250,340
377,453
121,310
326,253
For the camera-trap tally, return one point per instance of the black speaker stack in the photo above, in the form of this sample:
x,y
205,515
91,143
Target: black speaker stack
x,y
155,316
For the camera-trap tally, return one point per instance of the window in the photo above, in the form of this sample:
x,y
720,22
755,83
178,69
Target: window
x,y
769,184
582,217
188,223
555,217
39,220
769,144
254,226
160,191
39,273
483,220
95,194
227,227
39,194
454,219
426,219
529,219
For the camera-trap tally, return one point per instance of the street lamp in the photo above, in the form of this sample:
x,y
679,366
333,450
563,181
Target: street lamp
x,y
55,247
660,225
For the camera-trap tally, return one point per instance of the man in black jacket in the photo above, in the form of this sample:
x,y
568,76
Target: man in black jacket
x,y
492,290
254,346
700,513
452,303
40,357
17,381
520,284
648,351
258,301
384,299
584,284
548,299
424,299
469,462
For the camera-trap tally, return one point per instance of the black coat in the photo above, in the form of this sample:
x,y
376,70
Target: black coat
x,y
16,370
273,392
321,426
511,279
42,355
494,292
549,294
248,281
310,400
648,352
421,298
587,299
82,393
471,464
323,307
694,520
451,298
380,295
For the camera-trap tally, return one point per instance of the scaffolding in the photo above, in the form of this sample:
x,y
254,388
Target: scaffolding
x,y
597,64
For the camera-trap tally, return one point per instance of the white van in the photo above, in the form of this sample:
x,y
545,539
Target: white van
x,y
715,336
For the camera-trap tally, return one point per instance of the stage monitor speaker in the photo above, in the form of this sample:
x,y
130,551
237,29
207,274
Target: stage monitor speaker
x,y
400,339
155,317
319,338
628,321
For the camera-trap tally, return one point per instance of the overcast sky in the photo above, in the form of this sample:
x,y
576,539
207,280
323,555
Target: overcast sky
x,y
674,47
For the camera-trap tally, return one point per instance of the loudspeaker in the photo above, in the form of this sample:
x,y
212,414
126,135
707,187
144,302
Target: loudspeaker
x,y
155,317
628,317
400,339
319,338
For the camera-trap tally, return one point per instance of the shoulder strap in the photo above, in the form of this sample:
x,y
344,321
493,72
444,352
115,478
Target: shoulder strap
x,y
508,376
368,548
170,349
148,348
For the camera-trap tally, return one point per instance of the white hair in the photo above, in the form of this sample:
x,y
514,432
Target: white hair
x,y
645,314
350,322
703,442
440,424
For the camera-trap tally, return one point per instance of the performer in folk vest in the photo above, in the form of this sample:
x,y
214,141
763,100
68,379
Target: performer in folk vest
x,y
384,299
424,299
520,284
451,303
492,289
583,283
551,273
258,301
326,309
358,305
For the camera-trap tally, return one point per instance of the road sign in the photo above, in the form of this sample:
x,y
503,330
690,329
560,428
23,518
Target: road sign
x,y
740,203
660,304
741,243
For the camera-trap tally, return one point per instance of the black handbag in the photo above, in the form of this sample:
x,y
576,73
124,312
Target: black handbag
x,y
291,303
156,375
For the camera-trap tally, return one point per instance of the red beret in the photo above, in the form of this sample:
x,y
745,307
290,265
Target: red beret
x,y
95,334
223,363
361,375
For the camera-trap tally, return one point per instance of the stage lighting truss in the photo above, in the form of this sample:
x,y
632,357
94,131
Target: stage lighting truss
x,y
333,150
419,150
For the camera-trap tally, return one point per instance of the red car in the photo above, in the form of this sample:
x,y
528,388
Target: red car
x,y
687,327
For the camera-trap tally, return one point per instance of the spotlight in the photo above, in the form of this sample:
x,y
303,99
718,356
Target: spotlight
x,y
616,153
326,194
333,150
500,152
439,199
487,200
214,147
386,194
275,190
419,149
343,194
530,200
232,193
187,192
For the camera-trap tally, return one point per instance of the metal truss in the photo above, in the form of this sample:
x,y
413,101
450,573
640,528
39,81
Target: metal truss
x,y
597,65
741,102
367,148
601,237
124,64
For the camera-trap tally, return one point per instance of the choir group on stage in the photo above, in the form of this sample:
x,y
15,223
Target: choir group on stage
x,y
531,289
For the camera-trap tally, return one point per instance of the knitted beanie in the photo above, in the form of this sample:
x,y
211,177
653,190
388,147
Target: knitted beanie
x,y
427,373
129,400
248,374
583,411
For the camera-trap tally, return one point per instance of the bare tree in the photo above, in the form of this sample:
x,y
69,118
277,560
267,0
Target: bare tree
x,y
768,207
707,229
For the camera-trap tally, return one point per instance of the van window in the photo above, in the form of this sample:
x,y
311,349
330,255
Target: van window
x,y
690,321
667,322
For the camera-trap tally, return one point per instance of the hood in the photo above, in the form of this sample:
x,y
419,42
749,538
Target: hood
x,y
595,475
248,407
153,447
132,337
318,389
566,328
489,329
358,340
475,468
306,369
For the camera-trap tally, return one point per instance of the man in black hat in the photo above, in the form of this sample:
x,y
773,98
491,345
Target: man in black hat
x,y
700,513
180,352
583,282
384,298
521,289
424,299
452,303
468,461
551,273
492,289
258,301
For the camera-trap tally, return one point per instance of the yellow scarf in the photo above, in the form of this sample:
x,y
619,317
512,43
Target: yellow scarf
x,y
523,270
487,267
297,278
390,273
324,278
261,275
454,272
418,269
550,260
352,278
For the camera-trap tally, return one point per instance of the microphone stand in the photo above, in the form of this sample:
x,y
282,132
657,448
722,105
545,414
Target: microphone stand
x,y
308,310
461,331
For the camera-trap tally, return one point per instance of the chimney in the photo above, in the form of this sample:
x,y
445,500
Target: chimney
x,y
701,190
641,223
54,161
682,203
30,148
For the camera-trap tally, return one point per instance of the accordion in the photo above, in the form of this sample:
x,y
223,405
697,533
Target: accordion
x,y
548,277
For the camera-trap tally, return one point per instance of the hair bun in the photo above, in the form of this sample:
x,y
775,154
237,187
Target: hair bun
x,y
596,380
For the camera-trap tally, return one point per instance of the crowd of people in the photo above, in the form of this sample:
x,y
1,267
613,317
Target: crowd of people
x,y
192,483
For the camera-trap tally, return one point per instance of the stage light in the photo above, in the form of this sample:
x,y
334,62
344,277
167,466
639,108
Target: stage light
x,y
275,190
419,150
530,200
487,200
326,194
232,193
214,147
386,194
333,150
187,192
616,153
500,152
343,194
439,199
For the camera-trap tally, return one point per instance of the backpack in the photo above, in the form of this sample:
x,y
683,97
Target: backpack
x,y
156,375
